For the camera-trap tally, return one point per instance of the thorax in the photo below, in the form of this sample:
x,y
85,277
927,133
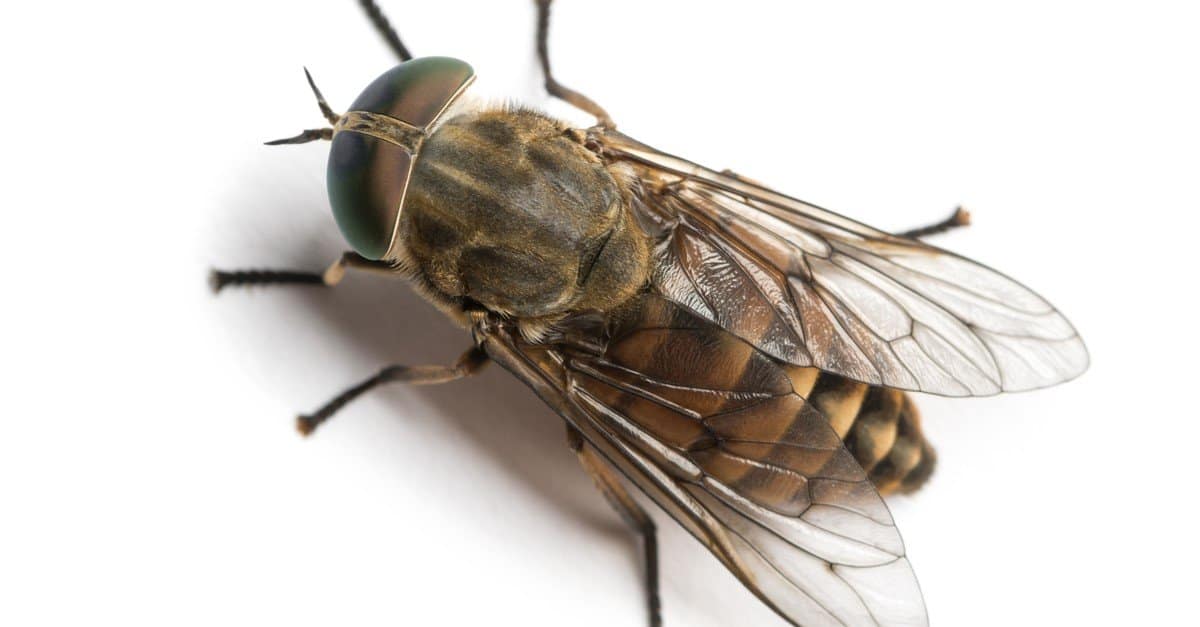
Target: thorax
x,y
508,209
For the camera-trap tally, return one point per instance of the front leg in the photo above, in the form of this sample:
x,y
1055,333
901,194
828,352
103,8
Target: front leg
x,y
220,279
555,88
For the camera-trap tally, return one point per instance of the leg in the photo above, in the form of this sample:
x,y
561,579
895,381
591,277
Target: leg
x,y
220,279
337,270
385,29
469,363
555,88
630,512
960,217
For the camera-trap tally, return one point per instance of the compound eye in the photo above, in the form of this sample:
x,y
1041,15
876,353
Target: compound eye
x,y
416,92
367,179
370,166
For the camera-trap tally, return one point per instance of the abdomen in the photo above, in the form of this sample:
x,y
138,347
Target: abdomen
x,y
880,426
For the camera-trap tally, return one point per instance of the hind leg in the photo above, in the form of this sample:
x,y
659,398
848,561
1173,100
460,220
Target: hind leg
x,y
632,513
960,217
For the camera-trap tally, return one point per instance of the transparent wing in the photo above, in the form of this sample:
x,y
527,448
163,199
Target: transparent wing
x,y
710,428
814,288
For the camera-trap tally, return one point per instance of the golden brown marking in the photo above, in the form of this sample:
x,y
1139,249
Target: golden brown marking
x,y
874,431
803,379
911,461
745,420
840,400
881,428
738,365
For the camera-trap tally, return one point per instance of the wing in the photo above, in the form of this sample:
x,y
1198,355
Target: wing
x,y
813,288
710,428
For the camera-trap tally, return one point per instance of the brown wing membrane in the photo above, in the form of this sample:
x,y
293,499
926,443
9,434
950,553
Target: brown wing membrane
x,y
813,288
710,428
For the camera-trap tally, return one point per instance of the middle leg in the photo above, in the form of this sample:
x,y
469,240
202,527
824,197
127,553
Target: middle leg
x,y
468,364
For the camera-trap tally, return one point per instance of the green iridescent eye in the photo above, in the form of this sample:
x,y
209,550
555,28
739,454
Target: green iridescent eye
x,y
367,178
369,168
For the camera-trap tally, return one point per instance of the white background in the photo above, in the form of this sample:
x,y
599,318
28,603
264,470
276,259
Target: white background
x,y
149,473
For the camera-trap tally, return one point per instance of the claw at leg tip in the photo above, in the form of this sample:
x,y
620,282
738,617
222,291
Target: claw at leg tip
x,y
305,425
216,281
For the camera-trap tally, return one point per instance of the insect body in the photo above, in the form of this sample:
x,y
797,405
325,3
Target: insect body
x,y
740,356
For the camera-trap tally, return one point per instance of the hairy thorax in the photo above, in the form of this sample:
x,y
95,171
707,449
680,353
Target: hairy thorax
x,y
508,209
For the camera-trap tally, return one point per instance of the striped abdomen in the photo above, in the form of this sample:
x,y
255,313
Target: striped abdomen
x,y
880,426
